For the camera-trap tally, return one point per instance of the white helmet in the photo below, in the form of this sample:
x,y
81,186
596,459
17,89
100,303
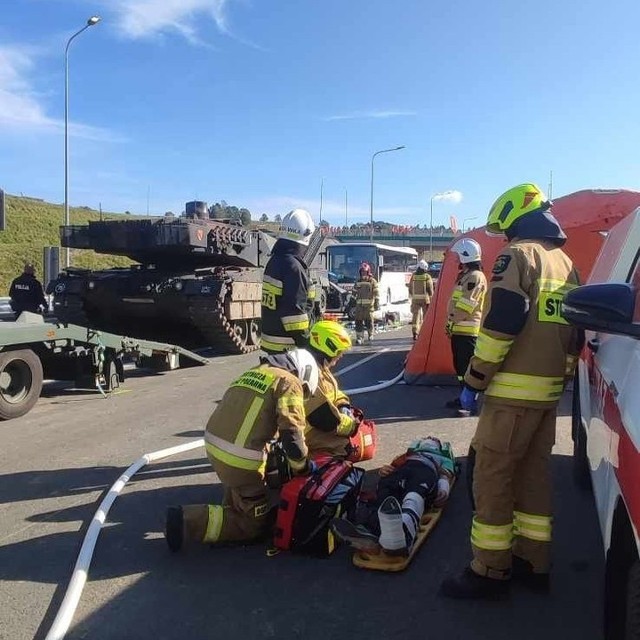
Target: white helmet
x,y
298,226
468,250
305,367
424,265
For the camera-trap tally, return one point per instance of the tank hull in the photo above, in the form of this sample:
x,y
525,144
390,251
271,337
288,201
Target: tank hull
x,y
218,307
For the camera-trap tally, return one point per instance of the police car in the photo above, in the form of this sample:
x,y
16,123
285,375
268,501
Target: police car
x,y
606,415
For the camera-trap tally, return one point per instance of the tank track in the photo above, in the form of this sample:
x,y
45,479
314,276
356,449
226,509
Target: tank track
x,y
217,330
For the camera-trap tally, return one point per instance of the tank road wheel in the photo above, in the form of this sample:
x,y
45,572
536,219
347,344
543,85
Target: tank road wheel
x,y
241,329
20,382
254,332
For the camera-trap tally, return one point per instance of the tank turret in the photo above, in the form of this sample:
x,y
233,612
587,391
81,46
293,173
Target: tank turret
x,y
197,282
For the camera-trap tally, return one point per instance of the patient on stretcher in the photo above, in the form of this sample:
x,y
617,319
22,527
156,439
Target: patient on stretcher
x,y
414,482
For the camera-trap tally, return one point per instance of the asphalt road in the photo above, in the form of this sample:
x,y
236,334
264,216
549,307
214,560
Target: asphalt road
x,y
57,462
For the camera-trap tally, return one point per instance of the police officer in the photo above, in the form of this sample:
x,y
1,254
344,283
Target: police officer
x,y
524,355
465,309
330,420
285,286
420,293
367,301
26,292
261,403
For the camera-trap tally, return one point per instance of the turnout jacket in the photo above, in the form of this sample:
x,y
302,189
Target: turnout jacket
x,y
261,404
526,350
26,294
285,287
328,429
366,292
464,312
420,287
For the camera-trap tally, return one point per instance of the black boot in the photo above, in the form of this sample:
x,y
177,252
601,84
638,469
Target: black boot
x,y
522,572
174,528
470,585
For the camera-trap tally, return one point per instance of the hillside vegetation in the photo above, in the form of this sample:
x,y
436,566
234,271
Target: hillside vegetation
x,y
33,224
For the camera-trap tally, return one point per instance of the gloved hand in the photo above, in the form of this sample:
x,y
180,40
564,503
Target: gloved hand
x,y
347,410
469,399
448,328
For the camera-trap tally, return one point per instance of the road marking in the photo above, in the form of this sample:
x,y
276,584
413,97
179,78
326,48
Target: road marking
x,y
363,361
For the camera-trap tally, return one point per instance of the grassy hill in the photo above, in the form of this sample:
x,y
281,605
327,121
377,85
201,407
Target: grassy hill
x,y
33,224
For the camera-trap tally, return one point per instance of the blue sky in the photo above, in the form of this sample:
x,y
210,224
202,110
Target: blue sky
x,y
256,101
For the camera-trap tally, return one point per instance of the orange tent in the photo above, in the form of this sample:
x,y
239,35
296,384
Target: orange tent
x,y
583,215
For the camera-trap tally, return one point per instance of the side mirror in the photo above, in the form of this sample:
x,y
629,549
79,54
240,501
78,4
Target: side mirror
x,y
607,308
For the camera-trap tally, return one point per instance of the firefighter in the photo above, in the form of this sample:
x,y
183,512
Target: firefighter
x,y
465,309
26,292
367,301
263,403
285,287
420,292
330,419
524,355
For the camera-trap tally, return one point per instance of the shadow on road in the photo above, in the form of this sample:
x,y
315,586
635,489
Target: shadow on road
x,y
241,593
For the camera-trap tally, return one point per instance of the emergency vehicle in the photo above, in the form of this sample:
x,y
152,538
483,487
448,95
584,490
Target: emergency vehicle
x,y
606,415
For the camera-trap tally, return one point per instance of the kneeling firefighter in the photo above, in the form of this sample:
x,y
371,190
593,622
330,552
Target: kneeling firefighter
x,y
263,402
525,354
330,418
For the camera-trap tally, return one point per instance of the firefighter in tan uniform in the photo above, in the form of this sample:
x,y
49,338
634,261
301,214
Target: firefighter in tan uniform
x,y
420,293
367,301
330,421
524,355
464,312
263,402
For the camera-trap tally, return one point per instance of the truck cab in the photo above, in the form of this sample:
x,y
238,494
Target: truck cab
x,y
606,415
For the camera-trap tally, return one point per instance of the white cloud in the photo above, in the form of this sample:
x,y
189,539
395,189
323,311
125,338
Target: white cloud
x,y
20,105
375,114
139,19
449,196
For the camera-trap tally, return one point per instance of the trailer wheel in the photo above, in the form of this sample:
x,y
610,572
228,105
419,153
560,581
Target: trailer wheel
x,y
20,382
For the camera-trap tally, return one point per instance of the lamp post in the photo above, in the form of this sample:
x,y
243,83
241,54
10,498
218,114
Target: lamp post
x,y
436,196
464,222
90,22
372,159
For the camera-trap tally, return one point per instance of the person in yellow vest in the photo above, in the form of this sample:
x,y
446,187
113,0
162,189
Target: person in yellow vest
x,y
367,301
465,309
263,402
525,354
330,420
420,293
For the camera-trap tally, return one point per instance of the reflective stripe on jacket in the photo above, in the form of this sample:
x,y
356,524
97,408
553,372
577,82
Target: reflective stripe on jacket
x,y
420,287
260,404
366,292
285,287
464,313
327,428
526,350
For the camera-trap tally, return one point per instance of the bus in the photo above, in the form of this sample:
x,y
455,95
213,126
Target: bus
x,y
390,266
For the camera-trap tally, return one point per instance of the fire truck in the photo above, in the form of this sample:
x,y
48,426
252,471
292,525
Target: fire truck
x,y
606,415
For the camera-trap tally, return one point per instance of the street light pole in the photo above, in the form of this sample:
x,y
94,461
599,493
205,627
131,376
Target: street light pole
x,y
90,22
464,222
346,208
372,159
431,228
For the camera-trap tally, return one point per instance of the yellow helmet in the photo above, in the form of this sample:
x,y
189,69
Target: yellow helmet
x,y
513,204
330,338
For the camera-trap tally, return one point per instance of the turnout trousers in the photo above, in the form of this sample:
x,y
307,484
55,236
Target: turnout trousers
x,y
364,319
242,516
512,488
418,314
462,348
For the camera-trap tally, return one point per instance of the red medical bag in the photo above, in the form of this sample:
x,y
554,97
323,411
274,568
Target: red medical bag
x,y
362,444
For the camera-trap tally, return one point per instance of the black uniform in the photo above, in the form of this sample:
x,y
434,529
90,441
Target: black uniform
x,y
285,286
27,294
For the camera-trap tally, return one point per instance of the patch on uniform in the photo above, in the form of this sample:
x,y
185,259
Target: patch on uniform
x,y
501,264
471,286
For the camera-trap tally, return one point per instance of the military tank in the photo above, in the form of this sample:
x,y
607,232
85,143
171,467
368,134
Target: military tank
x,y
196,282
